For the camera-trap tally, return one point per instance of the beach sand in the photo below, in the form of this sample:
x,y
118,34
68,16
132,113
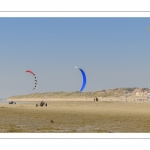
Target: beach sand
x,y
75,117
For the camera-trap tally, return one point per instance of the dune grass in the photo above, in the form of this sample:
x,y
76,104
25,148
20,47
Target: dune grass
x,y
103,93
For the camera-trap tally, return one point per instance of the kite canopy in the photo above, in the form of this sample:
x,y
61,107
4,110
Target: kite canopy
x,y
30,72
34,78
84,79
149,28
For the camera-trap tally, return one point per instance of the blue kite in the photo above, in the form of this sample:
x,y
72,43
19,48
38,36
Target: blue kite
x,y
84,79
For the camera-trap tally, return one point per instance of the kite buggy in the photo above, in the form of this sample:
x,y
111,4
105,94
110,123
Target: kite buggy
x,y
12,102
42,103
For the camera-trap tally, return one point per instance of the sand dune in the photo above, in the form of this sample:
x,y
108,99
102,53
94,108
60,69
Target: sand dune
x,y
119,94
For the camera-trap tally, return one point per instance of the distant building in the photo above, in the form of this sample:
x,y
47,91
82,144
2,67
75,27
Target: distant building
x,y
141,92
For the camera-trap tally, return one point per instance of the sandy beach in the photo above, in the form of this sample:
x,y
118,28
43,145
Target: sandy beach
x,y
75,117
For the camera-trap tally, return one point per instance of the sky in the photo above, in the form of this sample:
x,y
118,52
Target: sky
x,y
113,52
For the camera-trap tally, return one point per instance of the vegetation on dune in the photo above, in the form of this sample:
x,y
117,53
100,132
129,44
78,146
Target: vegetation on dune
x,y
103,93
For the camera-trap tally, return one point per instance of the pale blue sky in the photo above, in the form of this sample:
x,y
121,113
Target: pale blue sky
x,y
113,52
